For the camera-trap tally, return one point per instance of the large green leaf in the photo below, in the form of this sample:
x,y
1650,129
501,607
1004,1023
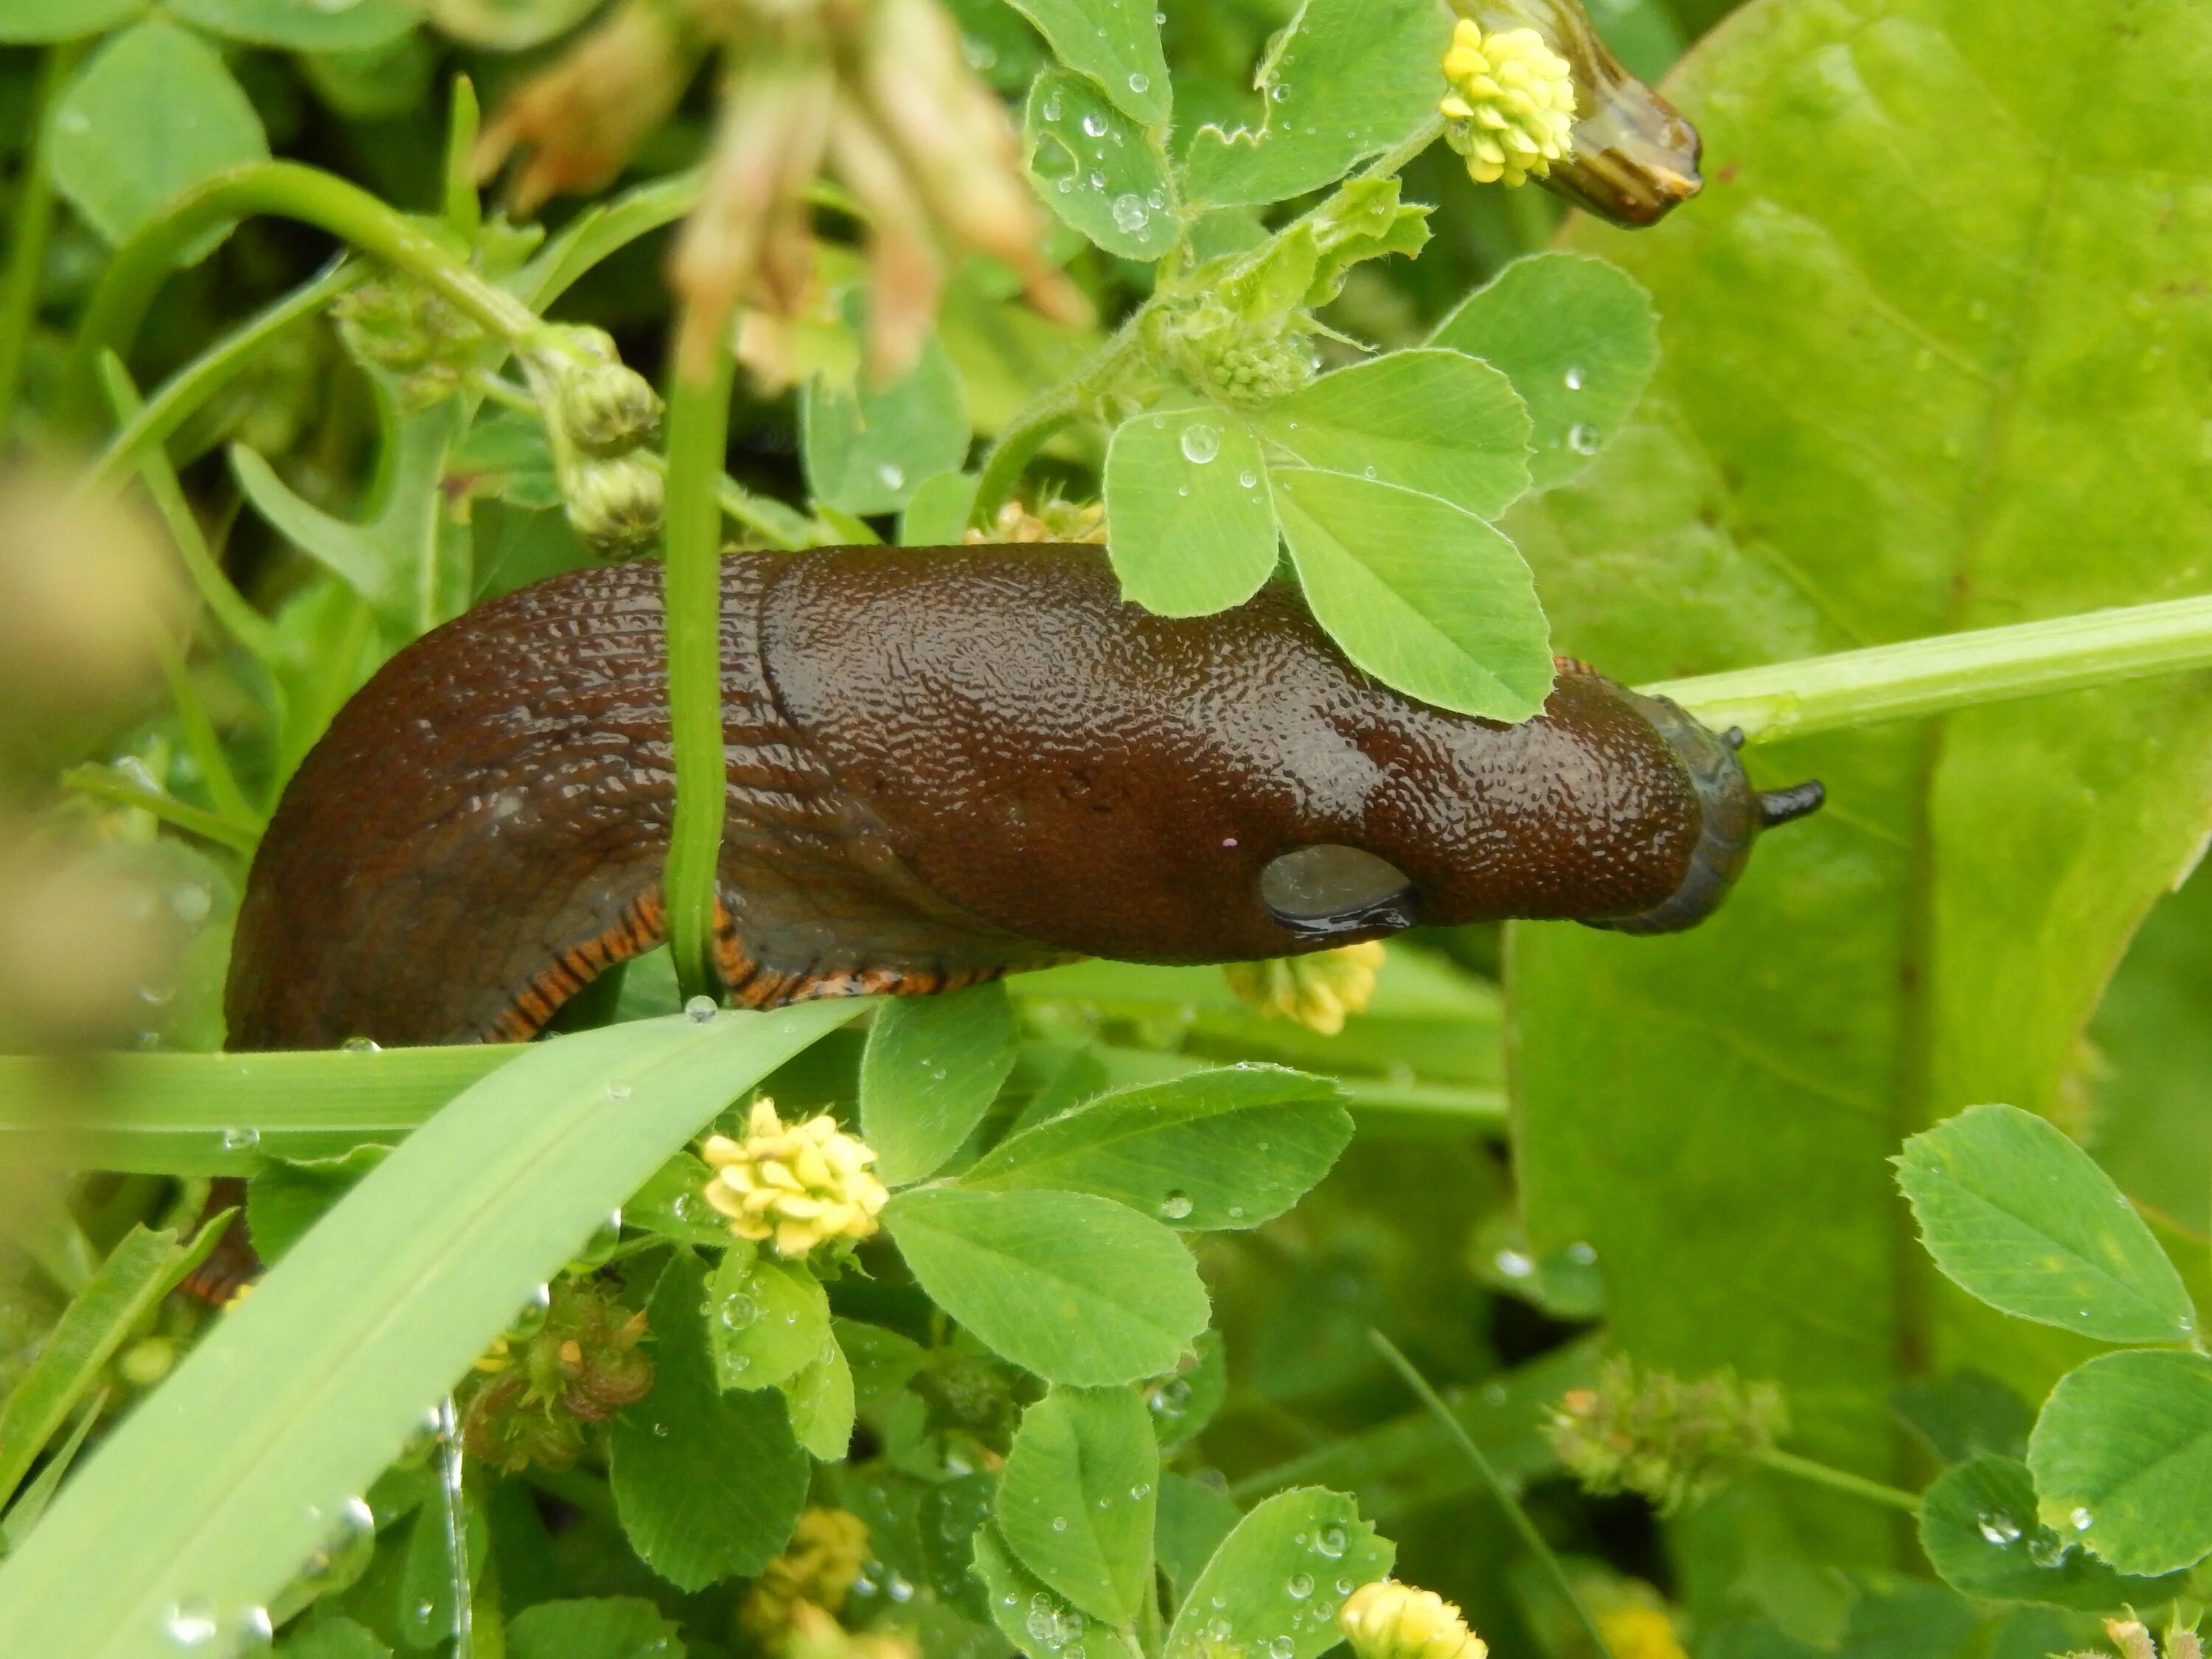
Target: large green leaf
x,y
1979,1527
2122,1456
1102,172
1192,529
1932,360
1276,1583
2020,1215
1077,1500
931,1068
1078,1288
152,114
297,1398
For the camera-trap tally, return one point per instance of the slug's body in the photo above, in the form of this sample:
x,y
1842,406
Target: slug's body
x,y
944,765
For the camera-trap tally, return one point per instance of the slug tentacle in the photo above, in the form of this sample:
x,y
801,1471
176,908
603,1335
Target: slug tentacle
x,y
943,764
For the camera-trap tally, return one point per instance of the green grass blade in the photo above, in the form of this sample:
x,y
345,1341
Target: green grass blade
x,y
300,1395
128,1283
226,1114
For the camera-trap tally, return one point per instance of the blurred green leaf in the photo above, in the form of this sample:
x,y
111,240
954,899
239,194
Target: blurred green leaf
x,y
707,1484
297,1398
937,511
820,1399
1577,337
611,1627
332,1637
1964,1415
314,26
1099,170
1346,79
1192,529
1978,1526
1280,1576
1116,43
880,1360
767,1321
286,1198
1076,1499
24,21
1896,399
2122,1457
1437,422
1037,1620
867,451
152,114
1193,1519
1229,1147
1075,1288
932,1066
1421,594
2018,1215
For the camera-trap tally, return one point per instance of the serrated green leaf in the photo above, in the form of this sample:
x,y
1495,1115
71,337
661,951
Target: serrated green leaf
x,y
299,1396
1103,173
1038,1621
931,1068
707,1484
867,451
605,1627
1229,1148
1346,79
767,1321
28,21
1421,593
1116,43
1078,1288
1280,1577
1187,508
2018,1215
1979,1529
2122,1457
355,25
1077,1497
150,115
1577,337
820,1398
1436,421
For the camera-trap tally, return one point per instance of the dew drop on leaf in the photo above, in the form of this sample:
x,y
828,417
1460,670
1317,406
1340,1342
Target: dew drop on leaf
x,y
1301,1586
240,1140
1583,438
1175,1206
1129,211
1998,1527
1141,83
191,1622
700,1009
2082,1520
1574,379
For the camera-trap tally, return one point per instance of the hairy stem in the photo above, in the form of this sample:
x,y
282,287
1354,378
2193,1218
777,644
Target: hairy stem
x,y
1951,671
1820,1474
290,191
692,586
1504,1494
27,238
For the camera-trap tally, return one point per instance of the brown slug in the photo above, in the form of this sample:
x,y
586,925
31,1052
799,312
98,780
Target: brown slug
x,y
944,764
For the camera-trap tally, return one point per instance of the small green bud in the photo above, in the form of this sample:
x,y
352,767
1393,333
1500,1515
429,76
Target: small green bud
x,y
396,325
145,1363
608,409
534,1400
616,503
1675,1442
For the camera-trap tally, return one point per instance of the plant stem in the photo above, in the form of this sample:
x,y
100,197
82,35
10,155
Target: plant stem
x,y
1951,671
103,784
1805,1468
26,239
1514,1512
691,586
290,191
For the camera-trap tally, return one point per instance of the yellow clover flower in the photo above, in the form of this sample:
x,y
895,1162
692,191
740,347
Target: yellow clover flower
x,y
799,1185
1511,107
1317,990
1389,1620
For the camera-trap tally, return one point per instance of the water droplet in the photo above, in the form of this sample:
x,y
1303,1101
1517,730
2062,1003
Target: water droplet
x,y
1237,1213
241,1139
701,1009
1141,83
1998,1527
1574,379
660,1431
191,1622
191,904
1281,94
2082,1520
1171,1399
358,1045
1329,1541
618,1091
343,1554
891,476
1129,211
2048,1549
1094,126
1343,1587
1051,110
1282,1648
1044,1621
1217,1629
1583,438
530,1318
1514,1264
1059,1523
1582,1254
899,1589
251,1630
1248,479
1140,1491
1301,1585
1097,181
1175,1206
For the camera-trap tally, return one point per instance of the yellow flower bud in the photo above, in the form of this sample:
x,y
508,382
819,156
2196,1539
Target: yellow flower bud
x,y
1318,991
818,1569
616,504
608,408
1389,1620
1511,107
800,1185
